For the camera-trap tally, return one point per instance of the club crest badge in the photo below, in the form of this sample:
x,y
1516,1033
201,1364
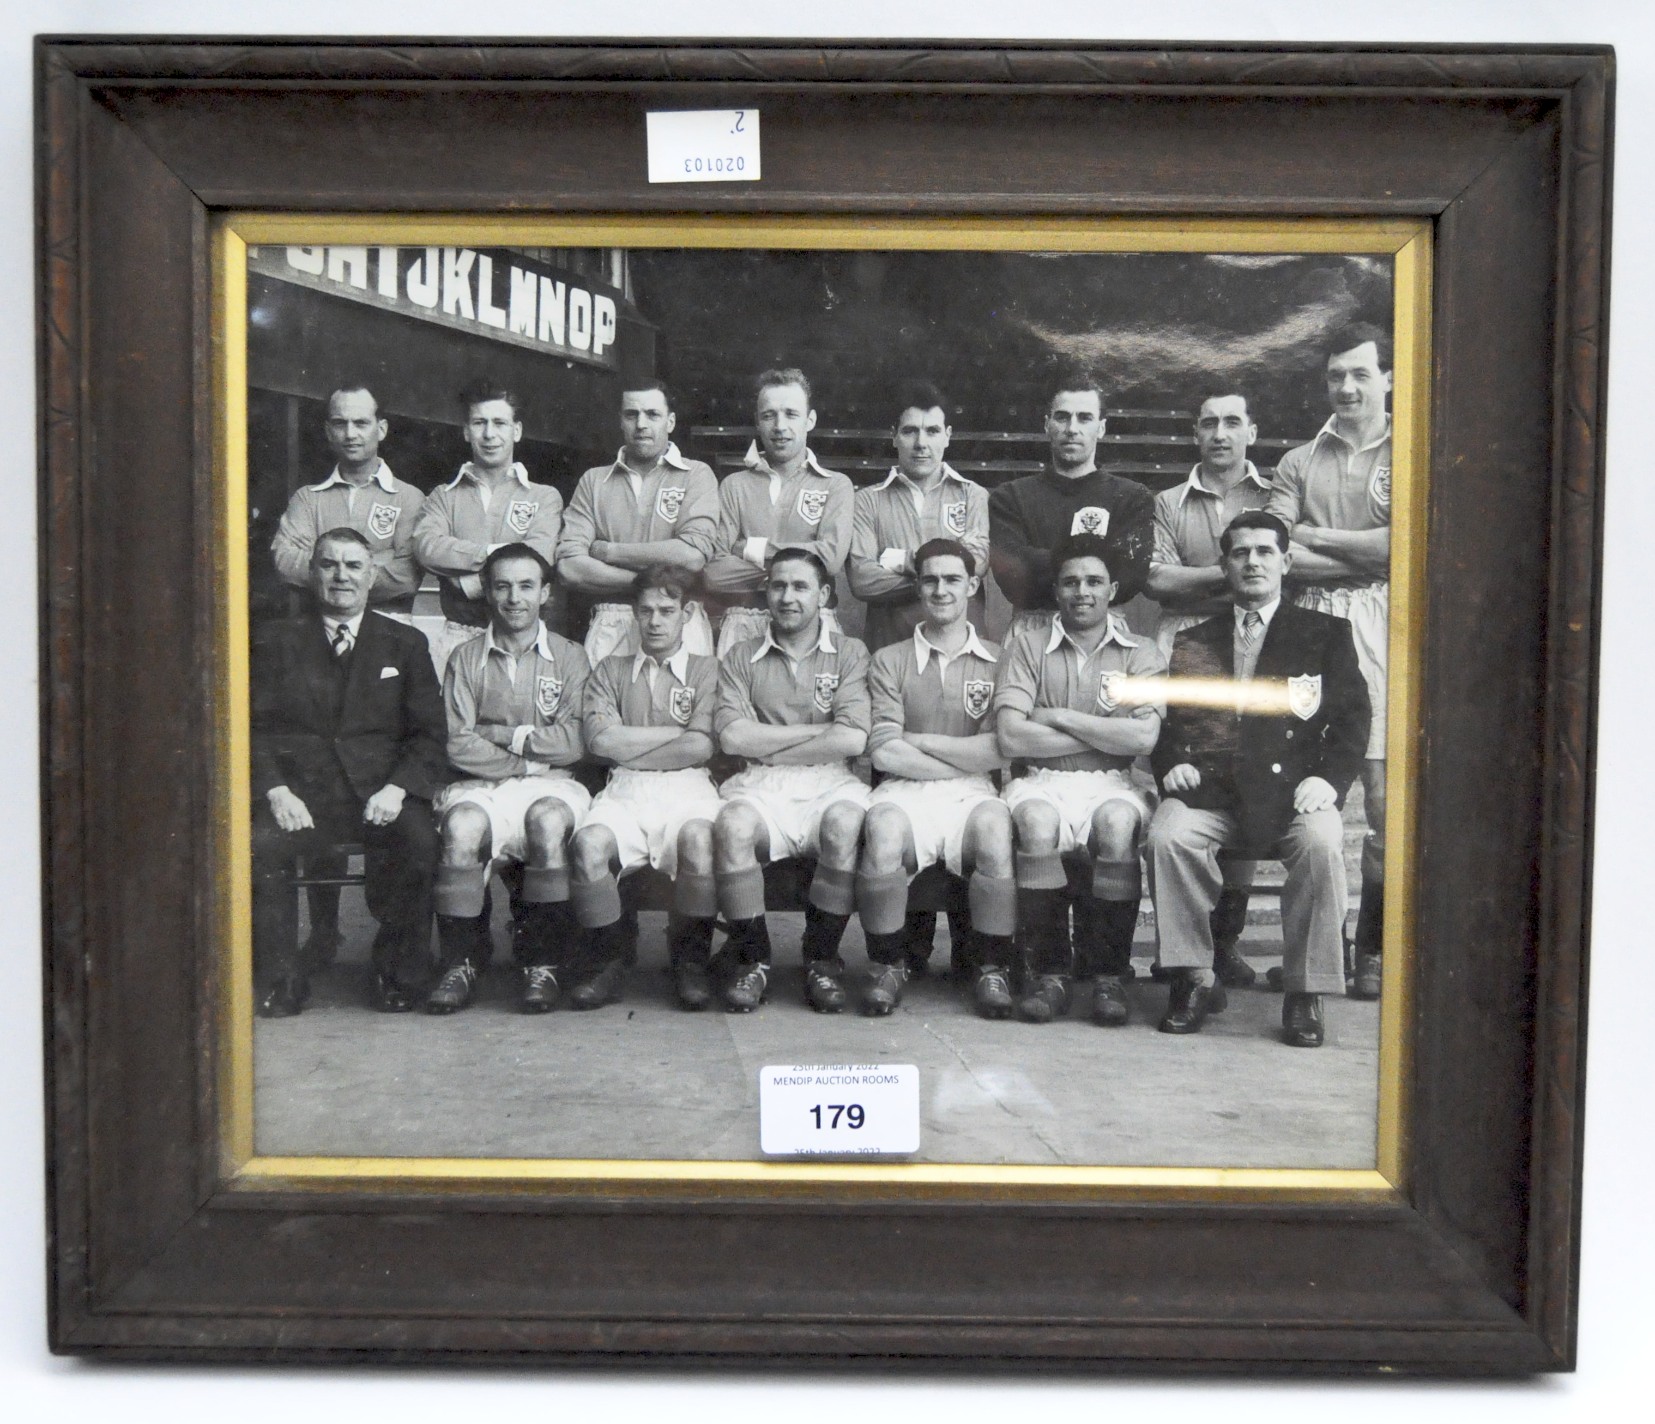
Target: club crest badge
x,y
668,502
812,505
1380,486
1304,695
827,683
1090,520
977,696
953,519
521,515
682,705
382,519
548,692
1110,686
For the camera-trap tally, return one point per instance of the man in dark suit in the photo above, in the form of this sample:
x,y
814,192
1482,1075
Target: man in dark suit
x,y
1267,728
348,745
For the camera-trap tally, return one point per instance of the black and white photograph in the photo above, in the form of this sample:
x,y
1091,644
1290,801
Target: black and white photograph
x,y
668,661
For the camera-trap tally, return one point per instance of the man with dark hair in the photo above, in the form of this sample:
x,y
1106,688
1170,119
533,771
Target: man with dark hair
x,y
490,503
649,507
782,498
650,714
1334,494
1029,516
347,746
933,738
1078,700
1186,577
360,493
1263,740
513,697
794,703
922,498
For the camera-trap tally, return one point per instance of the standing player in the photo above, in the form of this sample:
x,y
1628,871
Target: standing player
x,y
362,494
781,499
923,498
650,507
1078,700
794,703
1186,577
491,502
650,713
1334,494
1028,517
513,697
933,737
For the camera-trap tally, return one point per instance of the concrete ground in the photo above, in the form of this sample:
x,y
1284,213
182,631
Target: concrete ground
x,y
643,1078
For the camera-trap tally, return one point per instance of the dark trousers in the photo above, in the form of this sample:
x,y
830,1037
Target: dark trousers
x,y
399,862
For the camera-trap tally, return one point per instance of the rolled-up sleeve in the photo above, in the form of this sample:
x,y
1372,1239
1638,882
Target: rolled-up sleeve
x,y
735,689
850,699
580,519
888,721
1017,679
601,707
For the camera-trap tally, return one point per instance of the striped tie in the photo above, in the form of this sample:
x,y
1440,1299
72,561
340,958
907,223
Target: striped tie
x,y
1252,623
341,640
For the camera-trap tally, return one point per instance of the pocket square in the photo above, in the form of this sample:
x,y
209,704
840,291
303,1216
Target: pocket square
x,y
389,672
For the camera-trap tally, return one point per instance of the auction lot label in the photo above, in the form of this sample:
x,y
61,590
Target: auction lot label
x,y
703,145
839,1109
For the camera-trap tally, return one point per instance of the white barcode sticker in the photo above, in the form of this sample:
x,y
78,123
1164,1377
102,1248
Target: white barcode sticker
x,y
703,146
839,1109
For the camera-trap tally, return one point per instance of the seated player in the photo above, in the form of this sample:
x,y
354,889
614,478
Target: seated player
x,y
1078,700
1265,769
650,713
794,703
933,737
347,746
513,697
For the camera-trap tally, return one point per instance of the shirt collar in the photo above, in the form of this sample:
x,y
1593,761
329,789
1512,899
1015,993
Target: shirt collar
x,y
381,477
1266,613
1333,434
923,647
354,624
669,456
678,664
1193,484
542,643
896,476
516,472
1114,633
768,643
754,459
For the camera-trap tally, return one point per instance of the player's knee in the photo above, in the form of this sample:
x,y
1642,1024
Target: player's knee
x,y
1036,825
841,829
1115,830
465,834
547,825
591,851
736,830
695,847
988,833
884,835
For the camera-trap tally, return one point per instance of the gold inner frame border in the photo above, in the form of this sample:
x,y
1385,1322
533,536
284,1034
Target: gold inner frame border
x,y
1407,241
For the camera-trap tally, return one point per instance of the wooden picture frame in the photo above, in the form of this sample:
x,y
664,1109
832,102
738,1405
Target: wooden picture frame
x,y
1469,1267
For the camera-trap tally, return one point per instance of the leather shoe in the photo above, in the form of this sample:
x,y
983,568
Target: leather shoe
x,y
541,991
992,994
1110,1008
884,990
454,989
1190,1004
1368,976
390,997
824,991
1045,999
1232,970
602,988
693,985
284,998
1301,1020
748,989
